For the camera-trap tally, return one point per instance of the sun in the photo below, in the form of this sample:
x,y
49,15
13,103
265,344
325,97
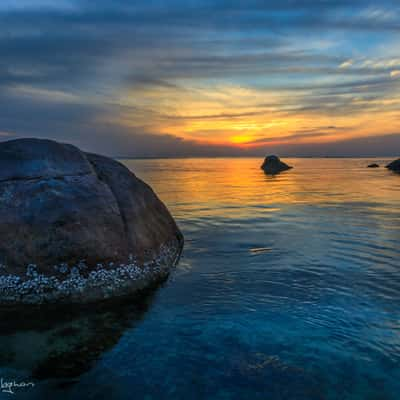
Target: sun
x,y
240,139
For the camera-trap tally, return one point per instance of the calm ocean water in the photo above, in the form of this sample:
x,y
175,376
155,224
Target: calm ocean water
x,y
288,288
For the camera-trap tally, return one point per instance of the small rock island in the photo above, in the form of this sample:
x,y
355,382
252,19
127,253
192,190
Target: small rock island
x,y
394,166
78,227
272,165
374,165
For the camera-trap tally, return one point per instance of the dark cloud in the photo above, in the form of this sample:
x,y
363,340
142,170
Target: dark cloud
x,y
372,146
300,134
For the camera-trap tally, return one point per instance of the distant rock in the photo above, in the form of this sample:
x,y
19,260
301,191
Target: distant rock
x,y
273,165
373,166
77,227
394,166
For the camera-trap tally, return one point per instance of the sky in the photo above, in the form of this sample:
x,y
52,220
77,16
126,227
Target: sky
x,y
203,78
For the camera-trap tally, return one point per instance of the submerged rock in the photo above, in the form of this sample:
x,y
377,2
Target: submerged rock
x,y
273,165
77,227
373,165
74,340
394,166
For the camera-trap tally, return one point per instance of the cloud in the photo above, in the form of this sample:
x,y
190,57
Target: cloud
x,y
139,77
369,146
37,4
299,135
346,64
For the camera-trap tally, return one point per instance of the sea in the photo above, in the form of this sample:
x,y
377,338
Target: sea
x,y
288,288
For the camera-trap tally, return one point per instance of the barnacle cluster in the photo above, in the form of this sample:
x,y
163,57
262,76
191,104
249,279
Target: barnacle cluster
x,y
81,283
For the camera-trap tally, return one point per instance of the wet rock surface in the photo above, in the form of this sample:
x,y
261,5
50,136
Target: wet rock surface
x,y
394,166
273,165
77,227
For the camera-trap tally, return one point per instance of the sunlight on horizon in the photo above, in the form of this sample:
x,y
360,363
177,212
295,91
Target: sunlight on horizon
x,y
251,117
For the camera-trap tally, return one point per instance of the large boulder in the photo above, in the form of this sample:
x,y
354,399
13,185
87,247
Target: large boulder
x,y
394,165
273,165
77,227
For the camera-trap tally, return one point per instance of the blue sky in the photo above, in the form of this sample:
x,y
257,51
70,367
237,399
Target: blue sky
x,y
203,77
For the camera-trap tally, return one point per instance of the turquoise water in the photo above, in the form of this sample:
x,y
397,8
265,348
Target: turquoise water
x,y
288,288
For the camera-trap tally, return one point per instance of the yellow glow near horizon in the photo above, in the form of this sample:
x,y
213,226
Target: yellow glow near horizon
x,y
239,139
247,117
